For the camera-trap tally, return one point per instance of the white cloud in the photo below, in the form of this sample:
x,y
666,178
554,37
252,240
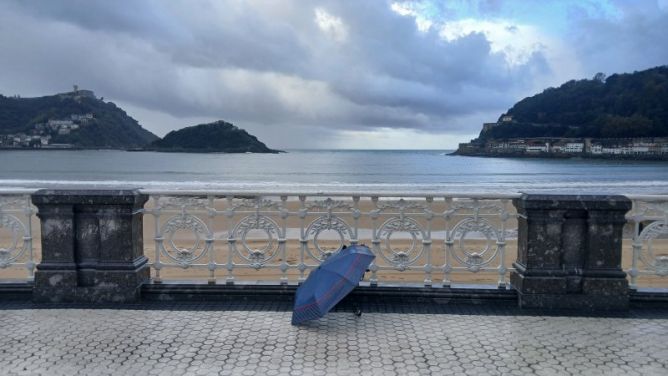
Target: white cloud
x,y
331,25
423,24
515,41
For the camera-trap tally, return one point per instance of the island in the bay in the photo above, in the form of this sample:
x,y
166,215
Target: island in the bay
x,y
218,136
623,116
80,120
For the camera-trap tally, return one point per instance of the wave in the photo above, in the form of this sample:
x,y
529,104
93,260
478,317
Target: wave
x,y
620,187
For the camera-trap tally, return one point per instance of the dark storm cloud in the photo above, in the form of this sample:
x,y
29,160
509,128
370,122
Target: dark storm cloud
x,y
635,41
288,64
234,59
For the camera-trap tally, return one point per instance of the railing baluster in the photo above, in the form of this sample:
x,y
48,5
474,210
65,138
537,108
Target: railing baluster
x,y
229,214
211,238
303,241
157,266
447,243
375,242
30,264
427,243
285,213
501,244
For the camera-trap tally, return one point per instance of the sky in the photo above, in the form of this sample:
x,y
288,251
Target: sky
x,y
352,74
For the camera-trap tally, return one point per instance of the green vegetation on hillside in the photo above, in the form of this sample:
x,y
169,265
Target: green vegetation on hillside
x,y
219,136
111,127
621,106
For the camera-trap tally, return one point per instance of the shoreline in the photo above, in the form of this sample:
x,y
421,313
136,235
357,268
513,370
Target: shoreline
x,y
187,151
621,157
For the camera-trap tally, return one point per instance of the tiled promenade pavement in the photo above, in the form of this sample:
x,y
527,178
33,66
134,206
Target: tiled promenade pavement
x,y
205,339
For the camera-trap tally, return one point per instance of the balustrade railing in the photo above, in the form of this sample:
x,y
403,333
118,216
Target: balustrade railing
x,y
16,234
649,218
434,239
431,237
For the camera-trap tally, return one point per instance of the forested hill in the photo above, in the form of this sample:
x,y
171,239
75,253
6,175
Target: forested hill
x,y
219,136
619,106
107,126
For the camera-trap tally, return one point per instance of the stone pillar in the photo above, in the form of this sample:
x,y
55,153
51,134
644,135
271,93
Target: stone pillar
x,y
92,246
569,252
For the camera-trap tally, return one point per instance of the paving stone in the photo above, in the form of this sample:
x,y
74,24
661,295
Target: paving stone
x,y
204,340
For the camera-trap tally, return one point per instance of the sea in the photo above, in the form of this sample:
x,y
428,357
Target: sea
x,y
305,171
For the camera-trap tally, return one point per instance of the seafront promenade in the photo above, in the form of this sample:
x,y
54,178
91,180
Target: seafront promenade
x,y
201,282
257,339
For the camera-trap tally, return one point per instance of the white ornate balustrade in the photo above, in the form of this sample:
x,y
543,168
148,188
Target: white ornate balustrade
x,y
16,232
433,236
649,218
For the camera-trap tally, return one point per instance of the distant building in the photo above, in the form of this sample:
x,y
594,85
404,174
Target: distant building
x,y
59,123
85,93
640,147
611,150
573,147
557,147
506,118
517,146
81,117
537,147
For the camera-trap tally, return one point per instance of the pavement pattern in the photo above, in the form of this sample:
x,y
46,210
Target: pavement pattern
x,y
205,339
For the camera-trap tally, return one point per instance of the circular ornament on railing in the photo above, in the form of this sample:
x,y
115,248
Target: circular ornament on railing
x,y
16,248
475,258
327,223
185,223
257,256
404,256
653,261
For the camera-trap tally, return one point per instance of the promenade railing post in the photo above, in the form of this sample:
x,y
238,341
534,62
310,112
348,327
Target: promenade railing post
x,y
569,252
92,246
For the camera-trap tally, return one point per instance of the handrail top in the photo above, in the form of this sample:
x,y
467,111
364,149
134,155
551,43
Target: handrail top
x,y
17,191
480,195
647,198
411,194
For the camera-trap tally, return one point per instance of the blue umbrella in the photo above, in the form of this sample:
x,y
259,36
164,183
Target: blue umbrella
x,y
330,282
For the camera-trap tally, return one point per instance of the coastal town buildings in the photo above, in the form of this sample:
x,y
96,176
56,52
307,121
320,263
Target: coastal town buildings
x,y
41,134
564,147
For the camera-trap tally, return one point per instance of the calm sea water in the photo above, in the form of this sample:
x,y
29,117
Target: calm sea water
x,y
329,170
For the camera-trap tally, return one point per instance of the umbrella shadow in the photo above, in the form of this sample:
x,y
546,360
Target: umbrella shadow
x,y
334,322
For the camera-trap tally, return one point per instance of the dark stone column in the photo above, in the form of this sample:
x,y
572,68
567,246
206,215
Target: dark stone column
x,y
92,246
569,252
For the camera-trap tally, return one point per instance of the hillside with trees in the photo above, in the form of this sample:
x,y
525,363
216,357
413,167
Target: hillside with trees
x,y
219,136
108,127
619,106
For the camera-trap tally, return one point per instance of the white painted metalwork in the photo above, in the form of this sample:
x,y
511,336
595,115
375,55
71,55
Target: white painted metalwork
x,y
649,217
434,235
16,214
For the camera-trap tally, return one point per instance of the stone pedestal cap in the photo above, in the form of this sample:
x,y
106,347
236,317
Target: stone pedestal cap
x,y
573,202
89,197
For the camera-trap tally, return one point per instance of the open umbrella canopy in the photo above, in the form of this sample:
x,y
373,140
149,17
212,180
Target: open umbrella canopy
x,y
330,282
